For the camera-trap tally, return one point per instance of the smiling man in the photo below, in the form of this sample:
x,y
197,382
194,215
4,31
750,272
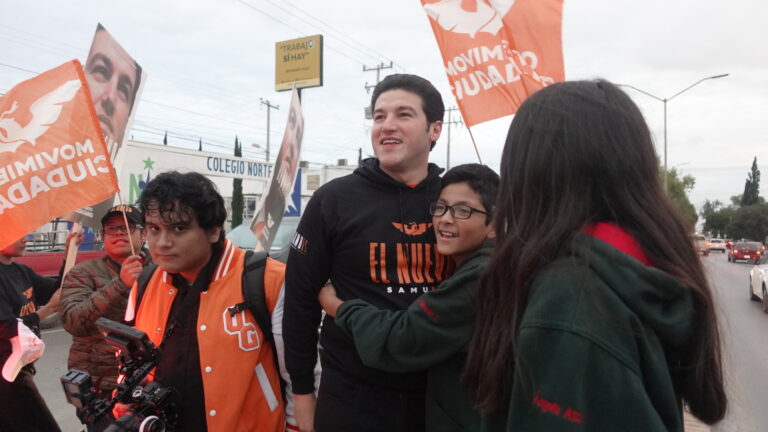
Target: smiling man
x,y
370,233
114,79
99,288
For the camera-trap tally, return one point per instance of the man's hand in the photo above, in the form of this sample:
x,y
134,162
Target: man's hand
x,y
304,405
130,269
77,236
328,300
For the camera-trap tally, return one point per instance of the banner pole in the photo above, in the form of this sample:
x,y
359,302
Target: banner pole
x,y
125,219
474,144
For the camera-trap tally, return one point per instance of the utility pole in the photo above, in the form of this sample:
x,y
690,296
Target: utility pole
x,y
269,108
378,69
448,124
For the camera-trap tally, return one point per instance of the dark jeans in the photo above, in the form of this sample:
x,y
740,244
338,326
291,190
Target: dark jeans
x,y
22,408
345,404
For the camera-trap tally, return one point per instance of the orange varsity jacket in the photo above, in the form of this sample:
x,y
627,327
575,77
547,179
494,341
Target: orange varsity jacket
x,y
240,375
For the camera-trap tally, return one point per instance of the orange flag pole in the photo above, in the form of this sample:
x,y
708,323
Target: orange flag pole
x,y
474,144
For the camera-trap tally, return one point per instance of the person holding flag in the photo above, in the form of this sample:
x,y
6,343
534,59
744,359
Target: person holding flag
x,y
50,114
99,288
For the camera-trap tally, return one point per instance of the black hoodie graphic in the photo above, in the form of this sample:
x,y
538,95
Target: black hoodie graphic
x,y
372,236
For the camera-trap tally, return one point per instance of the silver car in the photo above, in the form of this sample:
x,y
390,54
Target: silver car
x,y
243,237
717,244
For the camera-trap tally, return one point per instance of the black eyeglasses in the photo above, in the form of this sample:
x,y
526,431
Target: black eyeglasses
x,y
459,211
114,229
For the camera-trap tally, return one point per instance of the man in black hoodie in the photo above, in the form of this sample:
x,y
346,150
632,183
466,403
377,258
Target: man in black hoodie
x,y
370,233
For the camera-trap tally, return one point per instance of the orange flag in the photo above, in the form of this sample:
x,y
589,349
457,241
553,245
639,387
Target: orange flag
x,y
497,52
52,153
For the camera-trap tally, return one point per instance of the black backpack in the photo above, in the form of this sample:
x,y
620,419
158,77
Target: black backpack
x,y
252,286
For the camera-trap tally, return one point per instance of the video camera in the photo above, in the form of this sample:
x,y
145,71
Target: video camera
x,y
153,407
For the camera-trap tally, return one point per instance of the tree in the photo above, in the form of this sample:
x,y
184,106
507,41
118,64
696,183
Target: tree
x,y
200,144
710,207
752,186
750,222
237,191
678,189
165,138
718,223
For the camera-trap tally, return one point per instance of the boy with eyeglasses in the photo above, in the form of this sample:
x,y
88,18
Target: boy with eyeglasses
x,y
99,288
434,331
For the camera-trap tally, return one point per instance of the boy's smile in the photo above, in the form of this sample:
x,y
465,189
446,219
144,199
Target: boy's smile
x,y
457,237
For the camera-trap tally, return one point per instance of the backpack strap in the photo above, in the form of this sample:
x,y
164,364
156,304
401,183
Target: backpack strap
x,y
253,292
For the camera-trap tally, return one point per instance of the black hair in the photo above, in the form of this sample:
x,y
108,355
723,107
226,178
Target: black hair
x,y
579,153
191,195
431,100
481,179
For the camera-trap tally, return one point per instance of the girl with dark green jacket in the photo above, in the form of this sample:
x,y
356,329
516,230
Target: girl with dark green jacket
x,y
595,313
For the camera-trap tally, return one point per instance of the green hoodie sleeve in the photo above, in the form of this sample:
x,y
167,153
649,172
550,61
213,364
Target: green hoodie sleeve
x,y
435,327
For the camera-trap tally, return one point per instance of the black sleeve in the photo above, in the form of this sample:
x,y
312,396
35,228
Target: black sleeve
x,y
44,286
307,271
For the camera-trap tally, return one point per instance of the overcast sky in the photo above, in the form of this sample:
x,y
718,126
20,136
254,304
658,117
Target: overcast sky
x,y
209,63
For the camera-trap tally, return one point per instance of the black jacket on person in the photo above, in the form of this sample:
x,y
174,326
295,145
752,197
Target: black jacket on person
x,y
22,291
372,236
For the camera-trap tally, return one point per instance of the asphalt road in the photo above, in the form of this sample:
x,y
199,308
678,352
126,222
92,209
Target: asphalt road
x,y
50,367
744,330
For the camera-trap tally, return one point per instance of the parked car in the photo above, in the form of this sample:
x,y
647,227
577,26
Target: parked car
x,y
717,244
243,237
701,244
49,263
746,251
758,278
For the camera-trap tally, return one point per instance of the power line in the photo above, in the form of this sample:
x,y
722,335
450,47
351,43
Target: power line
x,y
19,68
295,29
353,40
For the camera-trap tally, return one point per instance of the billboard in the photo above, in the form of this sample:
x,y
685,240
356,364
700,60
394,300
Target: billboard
x,y
299,63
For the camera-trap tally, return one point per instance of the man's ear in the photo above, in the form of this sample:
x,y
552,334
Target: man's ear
x,y
435,128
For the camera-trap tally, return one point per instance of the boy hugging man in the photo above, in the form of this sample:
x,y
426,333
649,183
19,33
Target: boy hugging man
x,y
433,333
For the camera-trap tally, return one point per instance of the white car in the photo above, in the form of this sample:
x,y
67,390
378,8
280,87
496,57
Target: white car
x,y
758,282
718,244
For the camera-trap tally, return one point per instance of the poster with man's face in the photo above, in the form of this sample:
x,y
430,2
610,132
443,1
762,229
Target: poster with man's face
x,y
271,206
115,81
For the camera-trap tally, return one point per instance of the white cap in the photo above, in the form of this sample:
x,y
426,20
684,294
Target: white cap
x,y
27,347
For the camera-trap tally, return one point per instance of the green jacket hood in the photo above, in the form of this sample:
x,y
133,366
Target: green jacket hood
x,y
657,298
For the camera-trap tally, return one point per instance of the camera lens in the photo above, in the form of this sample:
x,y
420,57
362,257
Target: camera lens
x,y
152,424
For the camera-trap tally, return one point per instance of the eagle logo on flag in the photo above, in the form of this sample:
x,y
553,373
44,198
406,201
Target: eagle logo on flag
x,y
45,111
469,16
